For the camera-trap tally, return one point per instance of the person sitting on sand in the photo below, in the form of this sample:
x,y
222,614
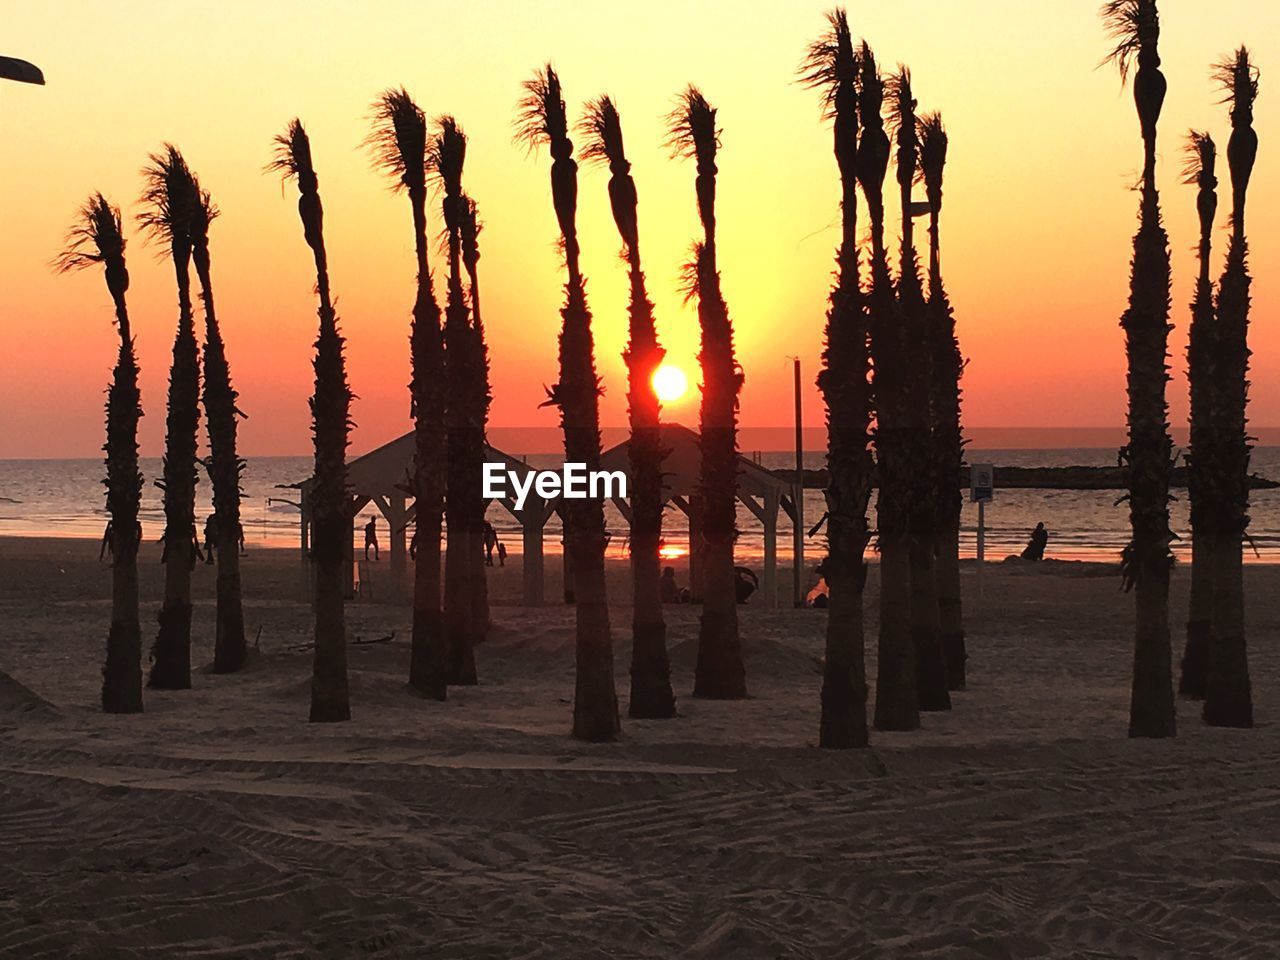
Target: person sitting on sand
x,y
670,589
745,583
1035,546
371,538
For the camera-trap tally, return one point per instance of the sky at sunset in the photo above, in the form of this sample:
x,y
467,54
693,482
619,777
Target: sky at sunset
x,y
1037,223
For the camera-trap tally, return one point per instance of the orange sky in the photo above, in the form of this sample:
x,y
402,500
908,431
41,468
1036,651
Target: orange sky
x,y
1037,222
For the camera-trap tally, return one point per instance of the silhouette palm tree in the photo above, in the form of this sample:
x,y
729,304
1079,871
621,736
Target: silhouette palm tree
x,y
171,197
1201,163
542,119
399,141
478,399
330,426
720,673
651,693
946,437
224,464
446,155
1146,561
897,705
832,67
96,238
920,479
1228,697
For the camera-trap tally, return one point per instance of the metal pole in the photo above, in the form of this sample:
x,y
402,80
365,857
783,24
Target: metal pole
x,y
982,540
798,565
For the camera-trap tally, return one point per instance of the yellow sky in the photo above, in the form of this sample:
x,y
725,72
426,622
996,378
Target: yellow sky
x,y
1037,221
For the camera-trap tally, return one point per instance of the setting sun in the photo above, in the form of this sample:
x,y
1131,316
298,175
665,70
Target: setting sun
x,y
669,383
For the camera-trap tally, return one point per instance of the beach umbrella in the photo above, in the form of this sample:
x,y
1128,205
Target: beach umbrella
x,y
11,68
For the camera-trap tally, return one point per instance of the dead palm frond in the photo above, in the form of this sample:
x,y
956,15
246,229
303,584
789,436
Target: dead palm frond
x,y
292,156
170,195
692,128
601,129
1135,26
1200,158
95,238
293,161
399,139
446,154
204,213
690,279
932,137
541,116
1239,80
831,59
902,106
870,83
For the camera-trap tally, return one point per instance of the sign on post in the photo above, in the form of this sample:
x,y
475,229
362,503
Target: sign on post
x,y
982,483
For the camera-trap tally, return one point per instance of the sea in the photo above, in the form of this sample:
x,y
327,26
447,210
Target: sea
x,y
65,498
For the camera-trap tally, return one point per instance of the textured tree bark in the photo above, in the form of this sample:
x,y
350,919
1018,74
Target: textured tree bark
x,y
122,672
926,626
171,664
950,608
897,706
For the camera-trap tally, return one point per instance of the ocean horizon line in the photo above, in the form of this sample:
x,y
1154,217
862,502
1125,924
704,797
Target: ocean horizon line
x,y
538,441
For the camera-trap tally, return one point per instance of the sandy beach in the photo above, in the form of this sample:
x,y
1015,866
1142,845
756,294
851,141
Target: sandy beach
x,y
221,824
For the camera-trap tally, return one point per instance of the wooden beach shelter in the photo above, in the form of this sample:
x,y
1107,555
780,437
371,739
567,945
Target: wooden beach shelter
x,y
761,491
383,477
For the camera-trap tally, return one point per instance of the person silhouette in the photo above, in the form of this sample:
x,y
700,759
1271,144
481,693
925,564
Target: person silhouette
x,y
210,537
490,543
1035,546
371,538
670,589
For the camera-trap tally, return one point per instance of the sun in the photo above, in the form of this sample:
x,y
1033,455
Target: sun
x,y
669,383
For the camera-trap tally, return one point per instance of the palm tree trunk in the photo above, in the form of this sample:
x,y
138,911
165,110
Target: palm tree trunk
x,y
230,648
651,693
595,702
428,659
845,384
916,379
948,447
1147,560
1200,357
331,423
331,518
462,487
1228,691
478,404
897,698
122,673
171,654
720,673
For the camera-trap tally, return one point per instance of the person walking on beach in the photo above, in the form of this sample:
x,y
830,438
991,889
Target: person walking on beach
x,y
1035,546
371,538
490,543
210,537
